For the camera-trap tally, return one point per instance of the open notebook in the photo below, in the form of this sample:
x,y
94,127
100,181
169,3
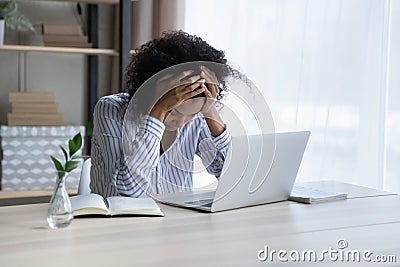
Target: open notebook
x,y
94,204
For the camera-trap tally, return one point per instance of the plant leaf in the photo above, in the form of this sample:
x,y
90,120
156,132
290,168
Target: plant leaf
x,y
71,165
72,147
57,164
8,8
65,153
13,18
78,140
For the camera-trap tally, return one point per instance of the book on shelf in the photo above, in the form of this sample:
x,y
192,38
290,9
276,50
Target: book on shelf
x,y
64,38
37,97
32,119
65,29
94,204
34,107
310,195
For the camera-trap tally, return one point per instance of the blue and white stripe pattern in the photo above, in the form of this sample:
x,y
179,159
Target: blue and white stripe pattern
x,y
142,170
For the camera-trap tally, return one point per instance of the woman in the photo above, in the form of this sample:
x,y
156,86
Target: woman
x,y
182,122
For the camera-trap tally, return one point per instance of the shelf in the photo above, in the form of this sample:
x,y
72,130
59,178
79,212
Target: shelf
x,y
73,50
9,198
80,1
90,1
121,52
30,193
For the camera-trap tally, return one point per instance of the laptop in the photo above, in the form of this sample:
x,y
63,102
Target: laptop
x,y
258,169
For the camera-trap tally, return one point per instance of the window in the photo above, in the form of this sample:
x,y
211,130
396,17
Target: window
x,y
328,66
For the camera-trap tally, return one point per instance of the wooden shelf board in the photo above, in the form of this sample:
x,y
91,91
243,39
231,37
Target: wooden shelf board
x,y
91,1
11,198
73,50
30,193
80,1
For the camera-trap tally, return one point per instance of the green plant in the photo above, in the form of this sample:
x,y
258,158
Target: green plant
x,y
13,19
72,158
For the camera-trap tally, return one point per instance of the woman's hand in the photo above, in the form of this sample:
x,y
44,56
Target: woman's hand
x,y
211,90
183,89
211,115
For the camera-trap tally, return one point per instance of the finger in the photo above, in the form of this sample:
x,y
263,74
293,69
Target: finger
x,y
190,84
165,77
206,91
191,87
207,77
213,89
210,80
191,80
209,74
193,93
182,75
209,97
183,92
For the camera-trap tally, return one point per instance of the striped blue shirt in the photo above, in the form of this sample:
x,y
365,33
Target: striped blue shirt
x,y
143,170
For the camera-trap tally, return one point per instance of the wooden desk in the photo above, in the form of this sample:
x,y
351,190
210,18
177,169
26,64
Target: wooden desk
x,y
189,238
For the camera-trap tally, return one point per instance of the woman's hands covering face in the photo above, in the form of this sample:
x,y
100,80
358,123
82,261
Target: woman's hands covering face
x,y
179,89
173,90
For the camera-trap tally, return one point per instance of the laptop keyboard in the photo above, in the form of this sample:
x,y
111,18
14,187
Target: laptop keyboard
x,y
201,202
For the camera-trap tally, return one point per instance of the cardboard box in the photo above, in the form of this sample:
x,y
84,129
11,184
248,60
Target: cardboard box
x,y
26,163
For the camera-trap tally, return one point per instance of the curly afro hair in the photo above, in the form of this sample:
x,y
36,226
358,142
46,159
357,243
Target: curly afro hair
x,y
172,48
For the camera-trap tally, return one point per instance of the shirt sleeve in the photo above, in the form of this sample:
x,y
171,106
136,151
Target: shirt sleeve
x,y
142,158
133,171
212,150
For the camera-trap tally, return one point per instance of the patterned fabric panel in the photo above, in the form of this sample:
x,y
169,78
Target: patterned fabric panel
x,y
26,163
45,131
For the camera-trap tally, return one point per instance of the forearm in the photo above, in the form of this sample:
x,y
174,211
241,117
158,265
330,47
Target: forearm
x,y
214,122
158,113
213,150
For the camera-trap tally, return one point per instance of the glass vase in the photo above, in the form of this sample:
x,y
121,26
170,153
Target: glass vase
x,y
2,28
59,213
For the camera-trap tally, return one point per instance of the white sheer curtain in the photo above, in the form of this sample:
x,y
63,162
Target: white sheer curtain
x,y
330,66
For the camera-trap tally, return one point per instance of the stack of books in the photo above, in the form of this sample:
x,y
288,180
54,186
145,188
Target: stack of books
x,y
64,36
33,109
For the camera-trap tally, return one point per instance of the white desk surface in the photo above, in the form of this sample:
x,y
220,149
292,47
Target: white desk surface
x,y
189,238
